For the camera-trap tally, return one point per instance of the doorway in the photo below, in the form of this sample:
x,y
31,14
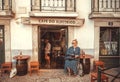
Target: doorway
x,y
2,44
57,37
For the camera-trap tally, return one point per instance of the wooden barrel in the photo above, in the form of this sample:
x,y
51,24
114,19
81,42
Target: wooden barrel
x,y
86,65
22,67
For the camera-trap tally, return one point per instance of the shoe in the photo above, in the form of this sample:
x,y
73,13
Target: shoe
x,y
69,74
81,75
48,66
75,75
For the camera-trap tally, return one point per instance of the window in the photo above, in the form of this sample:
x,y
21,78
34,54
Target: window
x,y
109,41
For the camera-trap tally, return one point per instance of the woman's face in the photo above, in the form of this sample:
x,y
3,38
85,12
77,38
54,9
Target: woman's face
x,y
74,43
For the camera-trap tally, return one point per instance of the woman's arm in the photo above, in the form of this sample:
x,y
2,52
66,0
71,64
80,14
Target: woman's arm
x,y
69,53
77,53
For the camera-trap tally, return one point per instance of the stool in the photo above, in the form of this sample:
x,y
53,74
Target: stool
x,y
7,66
94,77
34,66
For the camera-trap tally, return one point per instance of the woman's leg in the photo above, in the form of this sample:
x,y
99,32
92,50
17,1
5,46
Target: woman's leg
x,y
47,58
69,72
74,67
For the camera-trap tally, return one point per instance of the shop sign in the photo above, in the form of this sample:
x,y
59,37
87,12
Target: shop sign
x,y
55,21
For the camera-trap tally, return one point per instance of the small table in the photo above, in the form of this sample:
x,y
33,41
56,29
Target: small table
x,y
21,64
85,61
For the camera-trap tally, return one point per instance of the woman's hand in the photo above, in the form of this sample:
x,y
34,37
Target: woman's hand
x,y
76,56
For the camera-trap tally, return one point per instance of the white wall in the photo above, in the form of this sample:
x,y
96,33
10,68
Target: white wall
x,y
21,35
85,34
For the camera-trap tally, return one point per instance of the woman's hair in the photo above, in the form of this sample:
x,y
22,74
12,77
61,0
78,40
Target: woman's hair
x,y
75,40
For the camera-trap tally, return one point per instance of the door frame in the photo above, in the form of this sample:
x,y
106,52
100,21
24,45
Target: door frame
x,y
39,40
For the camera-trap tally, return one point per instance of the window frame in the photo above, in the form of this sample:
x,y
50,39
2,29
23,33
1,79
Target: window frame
x,y
110,42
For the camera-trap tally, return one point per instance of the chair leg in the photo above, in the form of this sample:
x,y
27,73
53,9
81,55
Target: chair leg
x,y
92,80
37,72
30,73
107,80
0,73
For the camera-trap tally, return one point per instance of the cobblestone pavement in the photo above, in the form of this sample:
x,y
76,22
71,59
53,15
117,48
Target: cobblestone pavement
x,y
113,72
51,75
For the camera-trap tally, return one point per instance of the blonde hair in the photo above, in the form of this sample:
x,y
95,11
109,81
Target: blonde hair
x,y
75,40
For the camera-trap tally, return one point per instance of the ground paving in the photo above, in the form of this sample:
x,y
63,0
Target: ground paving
x,y
52,75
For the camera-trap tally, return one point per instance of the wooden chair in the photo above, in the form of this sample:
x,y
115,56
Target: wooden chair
x,y
99,63
94,75
7,66
34,66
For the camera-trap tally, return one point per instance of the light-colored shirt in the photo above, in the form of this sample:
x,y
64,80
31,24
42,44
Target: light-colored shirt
x,y
47,48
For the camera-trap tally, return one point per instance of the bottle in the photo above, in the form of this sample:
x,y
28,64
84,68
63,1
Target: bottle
x,y
83,54
20,54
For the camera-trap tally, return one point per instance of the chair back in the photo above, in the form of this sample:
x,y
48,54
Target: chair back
x,y
99,64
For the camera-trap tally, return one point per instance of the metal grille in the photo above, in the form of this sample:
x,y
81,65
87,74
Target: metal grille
x,y
5,4
53,5
1,4
106,5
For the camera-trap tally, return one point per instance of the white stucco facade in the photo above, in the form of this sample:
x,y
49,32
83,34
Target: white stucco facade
x,y
22,35
24,19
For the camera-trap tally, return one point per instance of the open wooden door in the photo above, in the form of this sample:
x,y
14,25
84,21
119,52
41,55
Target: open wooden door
x,y
2,45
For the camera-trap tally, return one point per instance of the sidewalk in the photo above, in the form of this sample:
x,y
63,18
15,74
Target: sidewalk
x,y
54,75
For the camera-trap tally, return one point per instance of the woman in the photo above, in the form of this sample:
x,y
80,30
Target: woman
x,y
72,58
